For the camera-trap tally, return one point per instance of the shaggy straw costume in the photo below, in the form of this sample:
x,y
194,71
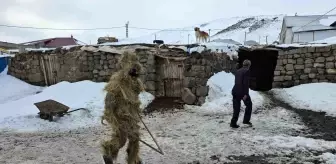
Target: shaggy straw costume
x,y
121,110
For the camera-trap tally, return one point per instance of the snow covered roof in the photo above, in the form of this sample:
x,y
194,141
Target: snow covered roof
x,y
310,22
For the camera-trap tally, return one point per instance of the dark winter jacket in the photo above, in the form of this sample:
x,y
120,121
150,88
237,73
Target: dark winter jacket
x,y
241,86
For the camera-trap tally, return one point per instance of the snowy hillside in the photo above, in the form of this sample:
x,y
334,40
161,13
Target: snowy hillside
x,y
256,28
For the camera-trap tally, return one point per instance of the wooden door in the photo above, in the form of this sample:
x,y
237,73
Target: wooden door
x,y
173,78
50,66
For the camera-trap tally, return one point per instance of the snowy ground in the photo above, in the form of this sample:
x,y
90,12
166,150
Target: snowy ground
x,y
191,134
320,97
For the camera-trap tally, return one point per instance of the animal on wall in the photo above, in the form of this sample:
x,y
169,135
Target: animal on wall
x,y
201,36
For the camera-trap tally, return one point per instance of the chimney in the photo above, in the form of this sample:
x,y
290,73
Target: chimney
x,y
71,36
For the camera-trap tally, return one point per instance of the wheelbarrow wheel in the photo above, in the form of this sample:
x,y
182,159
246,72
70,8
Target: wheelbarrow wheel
x,y
50,117
43,116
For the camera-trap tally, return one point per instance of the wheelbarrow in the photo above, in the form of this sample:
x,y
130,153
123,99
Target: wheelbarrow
x,y
50,108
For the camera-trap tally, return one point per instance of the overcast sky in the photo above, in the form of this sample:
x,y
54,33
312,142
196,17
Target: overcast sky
x,y
141,13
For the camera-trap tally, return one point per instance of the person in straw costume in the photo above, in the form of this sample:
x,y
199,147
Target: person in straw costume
x,y
122,106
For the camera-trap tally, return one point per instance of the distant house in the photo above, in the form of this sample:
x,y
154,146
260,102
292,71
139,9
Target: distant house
x,y
303,29
53,42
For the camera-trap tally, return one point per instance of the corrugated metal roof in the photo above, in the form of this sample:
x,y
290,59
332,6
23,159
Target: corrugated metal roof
x,y
299,23
54,42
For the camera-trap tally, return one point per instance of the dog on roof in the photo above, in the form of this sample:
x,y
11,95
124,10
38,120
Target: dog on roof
x,y
201,36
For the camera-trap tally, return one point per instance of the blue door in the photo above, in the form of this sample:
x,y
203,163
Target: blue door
x,y
3,63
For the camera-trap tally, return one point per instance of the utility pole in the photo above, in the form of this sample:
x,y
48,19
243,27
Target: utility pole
x,y
245,38
188,38
209,35
259,39
266,40
127,29
155,36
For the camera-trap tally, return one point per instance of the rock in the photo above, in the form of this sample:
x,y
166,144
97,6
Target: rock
x,y
321,77
299,61
150,85
320,60
299,66
201,100
311,49
291,61
95,71
289,67
188,97
283,72
308,55
330,65
320,70
197,68
317,54
102,73
151,77
202,91
314,80
307,70
309,61
278,78
296,56
287,77
330,58
279,62
276,73
331,71
34,78
290,56
290,72
303,77
296,82
279,68
310,65
284,61
318,65
312,75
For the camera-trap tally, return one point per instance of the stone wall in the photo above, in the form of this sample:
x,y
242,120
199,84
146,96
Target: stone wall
x,y
77,64
200,67
305,65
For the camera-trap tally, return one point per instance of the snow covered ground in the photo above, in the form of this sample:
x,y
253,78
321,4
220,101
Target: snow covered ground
x,y
320,97
14,89
191,134
19,113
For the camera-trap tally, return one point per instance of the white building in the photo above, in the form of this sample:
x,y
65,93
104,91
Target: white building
x,y
303,29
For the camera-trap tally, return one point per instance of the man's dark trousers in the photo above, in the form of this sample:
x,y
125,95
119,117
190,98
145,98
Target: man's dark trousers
x,y
236,109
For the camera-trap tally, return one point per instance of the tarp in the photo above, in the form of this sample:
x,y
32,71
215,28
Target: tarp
x,y
3,63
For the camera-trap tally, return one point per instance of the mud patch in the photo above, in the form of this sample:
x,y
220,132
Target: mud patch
x,y
164,104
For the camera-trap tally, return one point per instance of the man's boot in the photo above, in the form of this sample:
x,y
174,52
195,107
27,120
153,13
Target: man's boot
x,y
107,160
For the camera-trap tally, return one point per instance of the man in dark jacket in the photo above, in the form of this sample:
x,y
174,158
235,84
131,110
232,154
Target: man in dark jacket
x,y
240,91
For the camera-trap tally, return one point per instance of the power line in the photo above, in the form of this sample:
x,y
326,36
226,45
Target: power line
x,y
87,29
317,18
61,29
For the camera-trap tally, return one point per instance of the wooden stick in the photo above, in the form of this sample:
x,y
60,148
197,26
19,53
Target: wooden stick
x,y
160,150
44,71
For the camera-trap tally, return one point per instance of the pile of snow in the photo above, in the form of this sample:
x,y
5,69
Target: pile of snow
x,y
219,98
21,115
328,158
320,97
14,89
